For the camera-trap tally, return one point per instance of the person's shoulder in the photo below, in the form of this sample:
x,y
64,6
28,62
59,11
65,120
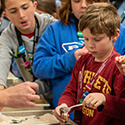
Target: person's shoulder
x,y
57,23
9,30
84,58
44,16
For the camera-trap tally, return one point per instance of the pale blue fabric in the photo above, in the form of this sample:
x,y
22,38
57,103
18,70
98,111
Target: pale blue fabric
x,y
121,11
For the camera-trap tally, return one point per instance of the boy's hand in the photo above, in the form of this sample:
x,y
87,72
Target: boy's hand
x,y
120,63
93,100
57,113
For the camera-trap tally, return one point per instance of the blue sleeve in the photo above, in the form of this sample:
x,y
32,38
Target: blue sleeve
x,y
49,61
120,42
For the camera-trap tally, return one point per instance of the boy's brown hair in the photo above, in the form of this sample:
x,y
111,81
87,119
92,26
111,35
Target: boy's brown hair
x,y
66,10
48,6
100,18
3,3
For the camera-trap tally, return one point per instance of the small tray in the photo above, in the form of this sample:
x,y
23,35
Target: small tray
x,y
18,115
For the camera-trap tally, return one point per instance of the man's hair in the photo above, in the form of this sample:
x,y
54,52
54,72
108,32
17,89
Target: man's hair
x,y
66,10
100,18
3,3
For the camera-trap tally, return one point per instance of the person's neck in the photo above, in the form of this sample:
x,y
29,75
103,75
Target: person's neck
x,y
29,35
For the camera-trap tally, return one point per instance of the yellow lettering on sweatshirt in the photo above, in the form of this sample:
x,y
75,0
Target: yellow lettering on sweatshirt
x,y
100,83
88,76
88,112
105,88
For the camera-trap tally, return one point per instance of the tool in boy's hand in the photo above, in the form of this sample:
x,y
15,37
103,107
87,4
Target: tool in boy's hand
x,y
64,111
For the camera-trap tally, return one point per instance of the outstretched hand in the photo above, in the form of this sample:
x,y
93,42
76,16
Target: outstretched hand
x,y
21,95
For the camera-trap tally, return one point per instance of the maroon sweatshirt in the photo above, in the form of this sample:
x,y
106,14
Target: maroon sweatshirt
x,y
110,82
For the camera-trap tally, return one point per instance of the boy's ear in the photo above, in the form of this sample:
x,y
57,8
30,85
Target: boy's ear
x,y
35,4
116,35
4,13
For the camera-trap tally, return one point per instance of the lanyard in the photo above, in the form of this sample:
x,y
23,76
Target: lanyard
x,y
79,33
35,40
18,54
95,76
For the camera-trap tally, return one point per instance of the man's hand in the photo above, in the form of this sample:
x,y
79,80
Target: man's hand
x,y
21,95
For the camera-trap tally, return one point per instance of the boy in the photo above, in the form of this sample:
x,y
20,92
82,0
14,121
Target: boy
x,y
24,31
96,73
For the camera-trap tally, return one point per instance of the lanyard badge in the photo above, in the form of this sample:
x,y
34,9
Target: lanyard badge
x,y
20,51
81,39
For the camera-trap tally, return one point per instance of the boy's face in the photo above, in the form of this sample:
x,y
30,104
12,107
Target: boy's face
x,y
100,46
78,6
21,14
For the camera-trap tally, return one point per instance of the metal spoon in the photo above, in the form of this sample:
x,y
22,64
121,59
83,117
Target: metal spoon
x,y
19,121
64,111
77,105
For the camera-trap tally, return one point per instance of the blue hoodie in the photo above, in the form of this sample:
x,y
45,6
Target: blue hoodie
x,y
121,11
54,57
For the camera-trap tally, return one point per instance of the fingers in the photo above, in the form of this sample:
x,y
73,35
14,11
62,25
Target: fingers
x,y
58,115
27,101
89,101
93,100
33,85
34,98
120,63
120,59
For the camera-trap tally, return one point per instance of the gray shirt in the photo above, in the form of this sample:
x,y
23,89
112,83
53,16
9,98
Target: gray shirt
x,y
9,44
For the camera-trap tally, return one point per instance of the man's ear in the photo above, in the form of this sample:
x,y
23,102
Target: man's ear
x,y
116,35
